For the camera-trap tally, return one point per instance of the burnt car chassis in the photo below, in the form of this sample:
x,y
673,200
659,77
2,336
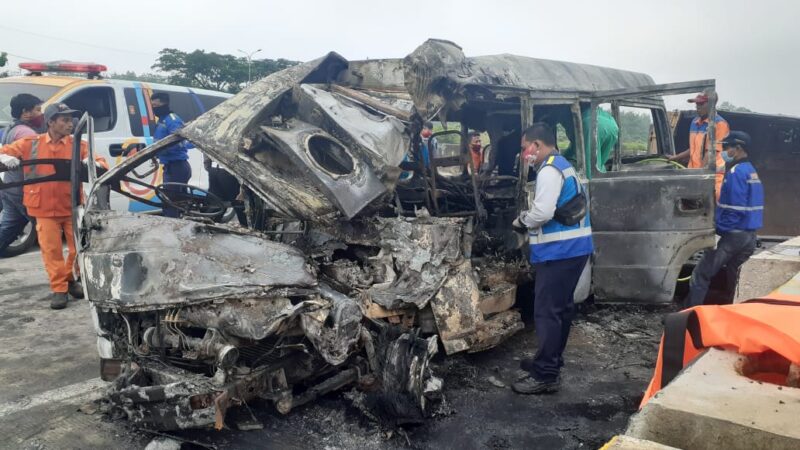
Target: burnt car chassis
x,y
350,273
342,279
194,317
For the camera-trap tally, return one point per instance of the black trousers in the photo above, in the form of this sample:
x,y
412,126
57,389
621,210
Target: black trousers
x,y
175,172
553,311
733,249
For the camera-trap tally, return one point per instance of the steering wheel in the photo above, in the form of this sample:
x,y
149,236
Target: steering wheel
x,y
190,200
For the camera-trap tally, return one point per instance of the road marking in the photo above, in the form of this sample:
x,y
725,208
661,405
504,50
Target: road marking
x,y
84,391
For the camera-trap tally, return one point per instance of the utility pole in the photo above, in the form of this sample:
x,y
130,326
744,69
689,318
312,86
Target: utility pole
x,y
249,57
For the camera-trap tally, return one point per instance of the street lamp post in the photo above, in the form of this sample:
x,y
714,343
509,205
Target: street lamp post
x,y
249,57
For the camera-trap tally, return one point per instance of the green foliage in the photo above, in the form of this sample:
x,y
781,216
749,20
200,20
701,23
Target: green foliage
x,y
728,106
3,59
634,148
635,130
212,70
635,126
562,140
453,138
144,77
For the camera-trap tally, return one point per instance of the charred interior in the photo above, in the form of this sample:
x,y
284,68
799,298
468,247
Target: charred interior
x,y
360,255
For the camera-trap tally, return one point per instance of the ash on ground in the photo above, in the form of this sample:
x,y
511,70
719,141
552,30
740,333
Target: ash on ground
x,y
609,361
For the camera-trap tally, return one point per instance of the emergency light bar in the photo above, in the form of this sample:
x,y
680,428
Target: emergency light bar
x,y
91,69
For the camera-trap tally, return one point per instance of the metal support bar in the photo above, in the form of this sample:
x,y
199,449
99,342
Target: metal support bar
x,y
593,138
476,195
655,89
617,163
371,102
580,152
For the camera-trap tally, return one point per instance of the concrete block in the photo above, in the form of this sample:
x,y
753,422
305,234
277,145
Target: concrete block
x,y
768,270
623,442
710,406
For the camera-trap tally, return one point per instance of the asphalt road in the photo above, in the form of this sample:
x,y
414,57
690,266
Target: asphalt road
x,y
49,369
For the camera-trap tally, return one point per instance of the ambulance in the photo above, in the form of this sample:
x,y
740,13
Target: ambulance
x,y
123,120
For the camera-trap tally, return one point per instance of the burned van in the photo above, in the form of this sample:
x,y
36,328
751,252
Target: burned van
x,y
359,257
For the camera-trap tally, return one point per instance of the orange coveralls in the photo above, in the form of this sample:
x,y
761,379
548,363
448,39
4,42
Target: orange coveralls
x,y
50,203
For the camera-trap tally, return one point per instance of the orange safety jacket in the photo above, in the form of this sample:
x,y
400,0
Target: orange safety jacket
x,y
750,328
700,147
50,198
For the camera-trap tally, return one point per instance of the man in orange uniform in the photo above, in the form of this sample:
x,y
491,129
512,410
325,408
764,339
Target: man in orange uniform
x,y
476,150
699,143
51,202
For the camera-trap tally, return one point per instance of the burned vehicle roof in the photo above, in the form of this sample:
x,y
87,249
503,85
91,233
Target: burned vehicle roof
x,y
365,137
339,149
357,262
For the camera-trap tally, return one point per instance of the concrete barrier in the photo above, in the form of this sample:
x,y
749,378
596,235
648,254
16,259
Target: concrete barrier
x,y
710,406
768,270
623,442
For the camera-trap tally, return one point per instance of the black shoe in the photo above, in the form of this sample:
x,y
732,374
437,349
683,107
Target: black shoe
x,y
531,385
58,300
75,289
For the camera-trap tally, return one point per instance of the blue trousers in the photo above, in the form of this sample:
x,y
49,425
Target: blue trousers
x,y
12,221
553,311
175,172
732,251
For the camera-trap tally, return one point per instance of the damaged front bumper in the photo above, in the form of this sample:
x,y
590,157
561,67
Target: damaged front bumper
x,y
200,318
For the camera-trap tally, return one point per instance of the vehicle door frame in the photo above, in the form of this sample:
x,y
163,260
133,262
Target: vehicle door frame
x,y
638,256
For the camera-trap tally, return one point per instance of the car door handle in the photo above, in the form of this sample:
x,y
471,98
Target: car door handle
x,y
123,150
689,206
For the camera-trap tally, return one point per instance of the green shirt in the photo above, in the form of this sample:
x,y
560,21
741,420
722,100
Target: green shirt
x,y
607,135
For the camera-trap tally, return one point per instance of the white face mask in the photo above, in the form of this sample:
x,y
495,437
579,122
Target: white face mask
x,y
726,156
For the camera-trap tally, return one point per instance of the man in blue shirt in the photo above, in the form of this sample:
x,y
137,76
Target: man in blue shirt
x,y
740,212
558,253
175,158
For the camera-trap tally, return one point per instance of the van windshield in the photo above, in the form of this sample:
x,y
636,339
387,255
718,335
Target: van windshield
x,y
9,90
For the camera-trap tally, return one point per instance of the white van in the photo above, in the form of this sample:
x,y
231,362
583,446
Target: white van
x,y
123,119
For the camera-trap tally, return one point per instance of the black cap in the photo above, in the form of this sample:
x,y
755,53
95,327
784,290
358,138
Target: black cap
x,y
57,109
737,138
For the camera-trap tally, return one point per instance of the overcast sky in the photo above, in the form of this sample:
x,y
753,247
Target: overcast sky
x,y
751,48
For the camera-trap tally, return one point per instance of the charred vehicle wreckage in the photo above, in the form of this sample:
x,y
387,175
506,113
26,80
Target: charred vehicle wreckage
x,y
359,259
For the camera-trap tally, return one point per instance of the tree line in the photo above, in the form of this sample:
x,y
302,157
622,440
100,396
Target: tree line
x,y
206,70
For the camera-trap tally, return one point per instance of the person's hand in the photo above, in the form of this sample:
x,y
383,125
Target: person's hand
x,y
9,161
518,226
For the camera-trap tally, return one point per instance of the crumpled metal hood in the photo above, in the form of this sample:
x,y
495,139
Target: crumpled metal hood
x,y
311,153
141,262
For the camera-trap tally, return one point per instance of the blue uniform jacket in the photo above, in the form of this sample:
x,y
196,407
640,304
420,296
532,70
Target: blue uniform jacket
x,y
166,126
741,199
